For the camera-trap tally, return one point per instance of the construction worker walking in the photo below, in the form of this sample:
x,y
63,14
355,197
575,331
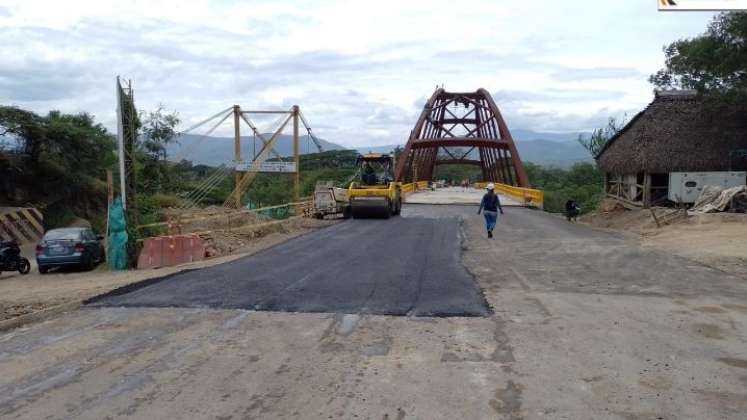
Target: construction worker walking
x,y
490,205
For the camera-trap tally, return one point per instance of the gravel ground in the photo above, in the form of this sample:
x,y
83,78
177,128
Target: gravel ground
x,y
586,325
21,295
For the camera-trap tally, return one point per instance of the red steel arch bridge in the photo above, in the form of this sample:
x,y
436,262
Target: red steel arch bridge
x,y
461,128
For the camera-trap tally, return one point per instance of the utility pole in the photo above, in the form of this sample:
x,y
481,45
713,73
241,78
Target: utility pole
x,y
237,151
296,159
121,147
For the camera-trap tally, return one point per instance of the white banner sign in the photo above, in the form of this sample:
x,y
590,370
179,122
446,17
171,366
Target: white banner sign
x,y
716,5
274,167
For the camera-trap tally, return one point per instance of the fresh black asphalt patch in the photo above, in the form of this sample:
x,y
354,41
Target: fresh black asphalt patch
x,y
400,266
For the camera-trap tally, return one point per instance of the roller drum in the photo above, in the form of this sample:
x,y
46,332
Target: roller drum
x,y
370,207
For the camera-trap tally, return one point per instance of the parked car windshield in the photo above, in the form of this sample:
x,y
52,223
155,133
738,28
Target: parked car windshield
x,y
63,234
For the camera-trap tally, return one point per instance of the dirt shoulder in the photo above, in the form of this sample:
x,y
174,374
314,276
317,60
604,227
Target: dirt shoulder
x,y
715,239
21,295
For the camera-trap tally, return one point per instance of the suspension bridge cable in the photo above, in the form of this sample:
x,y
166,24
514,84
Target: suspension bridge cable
x,y
199,140
252,172
271,128
308,130
258,134
205,121
207,190
205,184
208,185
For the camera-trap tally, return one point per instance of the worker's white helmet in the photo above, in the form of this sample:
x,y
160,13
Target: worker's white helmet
x,y
491,186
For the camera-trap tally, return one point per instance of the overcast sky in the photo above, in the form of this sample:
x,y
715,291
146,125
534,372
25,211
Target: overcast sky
x,y
360,70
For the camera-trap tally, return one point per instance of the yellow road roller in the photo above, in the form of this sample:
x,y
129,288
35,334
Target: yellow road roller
x,y
375,194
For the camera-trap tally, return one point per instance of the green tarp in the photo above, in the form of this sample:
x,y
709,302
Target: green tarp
x,y
117,246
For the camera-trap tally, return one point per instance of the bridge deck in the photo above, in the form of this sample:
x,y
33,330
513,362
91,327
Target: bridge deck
x,y
454,195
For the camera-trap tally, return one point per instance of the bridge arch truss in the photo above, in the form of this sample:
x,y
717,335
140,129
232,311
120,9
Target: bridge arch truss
x,y
461,128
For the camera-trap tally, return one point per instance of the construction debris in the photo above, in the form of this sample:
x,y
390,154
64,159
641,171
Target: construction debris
x,y
716,199
228,241
210,218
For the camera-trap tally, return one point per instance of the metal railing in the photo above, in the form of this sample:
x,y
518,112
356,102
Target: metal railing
x,y
414,187
527,196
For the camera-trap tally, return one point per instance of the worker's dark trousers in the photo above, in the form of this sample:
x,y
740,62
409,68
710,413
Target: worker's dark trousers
x,y
490,218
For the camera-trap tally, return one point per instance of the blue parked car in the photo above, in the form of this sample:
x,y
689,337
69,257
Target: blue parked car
x,y
70,246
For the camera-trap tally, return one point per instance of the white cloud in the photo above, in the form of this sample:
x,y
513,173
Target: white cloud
x,y
360,70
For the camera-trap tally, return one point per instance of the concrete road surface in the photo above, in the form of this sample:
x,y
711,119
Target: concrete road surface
x,y
455,195
585,326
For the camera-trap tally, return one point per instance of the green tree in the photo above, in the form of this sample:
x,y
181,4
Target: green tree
x,y
155,174
715,61
458,173
25,126
582,182
63,168
157,132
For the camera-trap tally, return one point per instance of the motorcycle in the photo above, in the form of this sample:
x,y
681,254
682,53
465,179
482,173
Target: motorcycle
x,y
11,259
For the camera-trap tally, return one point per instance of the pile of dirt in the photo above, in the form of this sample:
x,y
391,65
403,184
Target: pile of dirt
x,y
611,214
226,231
210,218
227,241
714,239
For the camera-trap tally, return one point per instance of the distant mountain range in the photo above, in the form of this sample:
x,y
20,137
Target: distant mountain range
x,y
558,149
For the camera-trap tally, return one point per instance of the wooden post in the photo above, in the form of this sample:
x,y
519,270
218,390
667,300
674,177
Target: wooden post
x,y
296,159
237,151
656,219
646,190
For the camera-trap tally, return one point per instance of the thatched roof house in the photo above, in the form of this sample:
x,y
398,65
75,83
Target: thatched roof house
x,y
679,131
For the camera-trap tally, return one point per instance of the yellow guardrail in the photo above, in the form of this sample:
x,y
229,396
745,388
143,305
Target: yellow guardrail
x,y
409,188
415,187
528,196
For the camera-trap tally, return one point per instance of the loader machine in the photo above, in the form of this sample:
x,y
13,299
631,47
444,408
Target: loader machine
x,y
375,194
